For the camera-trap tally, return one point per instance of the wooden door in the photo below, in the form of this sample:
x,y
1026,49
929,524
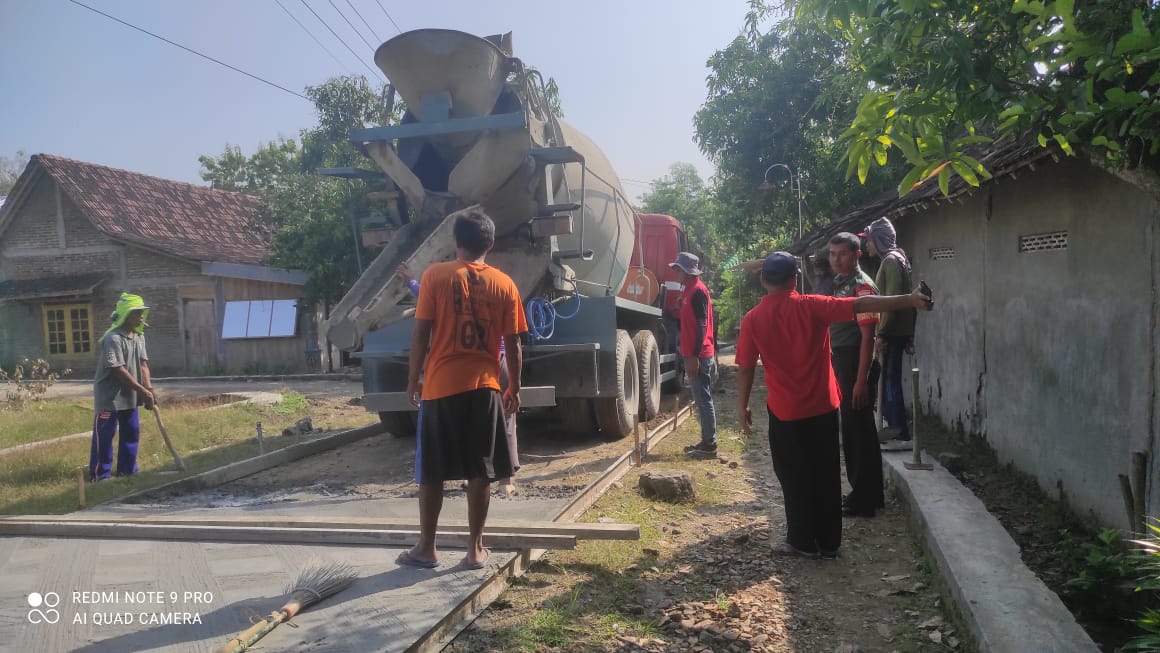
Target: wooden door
x,y
200,334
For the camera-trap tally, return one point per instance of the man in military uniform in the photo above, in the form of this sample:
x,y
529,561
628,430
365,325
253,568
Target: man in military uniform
x,y
852,347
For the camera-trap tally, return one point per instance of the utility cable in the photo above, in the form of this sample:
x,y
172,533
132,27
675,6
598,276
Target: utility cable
x,y
191,51
340,40
311,35
360,17
388,15
352,27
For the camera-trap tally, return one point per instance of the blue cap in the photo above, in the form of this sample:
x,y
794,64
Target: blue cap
x,y
779,267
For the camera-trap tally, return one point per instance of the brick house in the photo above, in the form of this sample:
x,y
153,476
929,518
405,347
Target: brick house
x,y
74,235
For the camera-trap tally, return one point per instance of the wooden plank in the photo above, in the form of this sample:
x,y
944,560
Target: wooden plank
x,y
395,538
580,531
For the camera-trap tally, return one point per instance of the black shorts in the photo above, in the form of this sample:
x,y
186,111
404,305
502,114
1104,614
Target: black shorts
x,y
462,437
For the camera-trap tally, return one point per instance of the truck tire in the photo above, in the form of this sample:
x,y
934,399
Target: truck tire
x,y
616,416
575,414
401,424
648,362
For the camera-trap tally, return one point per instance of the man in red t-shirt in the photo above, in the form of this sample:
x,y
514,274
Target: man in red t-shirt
x,y
791,334
455,351
696,347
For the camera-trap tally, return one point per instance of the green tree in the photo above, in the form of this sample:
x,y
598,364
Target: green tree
x,y
683,194
309,213
11,169
939,77
779,94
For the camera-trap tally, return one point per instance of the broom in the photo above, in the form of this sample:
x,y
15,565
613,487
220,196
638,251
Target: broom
x,y
313,585
169,443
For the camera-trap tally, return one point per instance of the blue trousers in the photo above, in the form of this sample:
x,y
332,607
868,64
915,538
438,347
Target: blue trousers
x,y
893,406
702,387
105,426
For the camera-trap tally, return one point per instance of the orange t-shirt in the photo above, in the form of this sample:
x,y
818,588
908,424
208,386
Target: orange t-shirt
x,y
472,306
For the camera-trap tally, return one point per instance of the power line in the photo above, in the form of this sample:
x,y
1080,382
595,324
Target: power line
x,y
192,51
360,17
389,16
340,40
311,35
369,46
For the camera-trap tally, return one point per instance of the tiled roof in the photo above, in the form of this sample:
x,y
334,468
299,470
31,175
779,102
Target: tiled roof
x,y
184,220
1001,159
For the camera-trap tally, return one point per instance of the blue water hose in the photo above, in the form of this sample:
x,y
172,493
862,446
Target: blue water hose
x,y
542,315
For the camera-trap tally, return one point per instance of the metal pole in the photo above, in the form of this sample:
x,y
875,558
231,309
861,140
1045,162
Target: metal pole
x,y
917,448
354,230
799,192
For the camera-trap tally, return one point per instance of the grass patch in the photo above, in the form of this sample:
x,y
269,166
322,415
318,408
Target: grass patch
x,y
43,480
42,420
603,596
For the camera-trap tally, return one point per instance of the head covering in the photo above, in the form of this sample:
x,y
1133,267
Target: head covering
x,y
822,257
881,233
779,267
687,263
125,305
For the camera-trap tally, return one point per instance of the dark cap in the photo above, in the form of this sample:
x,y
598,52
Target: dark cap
x,y
688,263
779,267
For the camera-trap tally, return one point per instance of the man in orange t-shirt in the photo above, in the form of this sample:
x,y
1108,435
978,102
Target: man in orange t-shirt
x,y
462,431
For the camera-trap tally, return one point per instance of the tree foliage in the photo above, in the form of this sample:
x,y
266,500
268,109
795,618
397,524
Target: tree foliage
x,y
779,95
11,169
311,214
939,76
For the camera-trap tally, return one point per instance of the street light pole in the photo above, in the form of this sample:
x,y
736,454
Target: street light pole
x,y
765,185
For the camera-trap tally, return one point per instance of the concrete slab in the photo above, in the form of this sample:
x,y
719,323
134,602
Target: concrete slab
x,y
387,609
1004,605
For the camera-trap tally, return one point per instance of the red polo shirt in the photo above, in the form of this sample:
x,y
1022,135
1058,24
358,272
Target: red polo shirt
x,y
791,334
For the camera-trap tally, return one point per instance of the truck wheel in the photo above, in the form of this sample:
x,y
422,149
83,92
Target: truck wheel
x,y
576,414
616,416
648,362
401,424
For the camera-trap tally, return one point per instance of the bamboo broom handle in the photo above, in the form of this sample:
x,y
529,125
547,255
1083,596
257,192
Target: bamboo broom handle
x,y
169,443
254,633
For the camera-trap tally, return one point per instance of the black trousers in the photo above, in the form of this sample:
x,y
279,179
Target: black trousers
x,y
859,437
806,461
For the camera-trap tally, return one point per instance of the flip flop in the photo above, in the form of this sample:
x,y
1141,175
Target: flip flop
x,y
406,560
481,564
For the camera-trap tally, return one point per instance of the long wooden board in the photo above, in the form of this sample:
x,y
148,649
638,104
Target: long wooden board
x,y
580,531
270,535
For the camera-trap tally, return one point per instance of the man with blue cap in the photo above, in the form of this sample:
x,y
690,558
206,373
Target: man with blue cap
x,y
790,332
122,382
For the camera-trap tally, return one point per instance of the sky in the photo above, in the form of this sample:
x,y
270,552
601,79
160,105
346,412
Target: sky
x,y
76,84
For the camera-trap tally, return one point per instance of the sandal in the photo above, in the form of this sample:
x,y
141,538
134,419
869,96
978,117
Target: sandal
x,y
406,559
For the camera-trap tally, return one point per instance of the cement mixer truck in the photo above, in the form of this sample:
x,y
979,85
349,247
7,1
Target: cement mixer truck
x,y
594,274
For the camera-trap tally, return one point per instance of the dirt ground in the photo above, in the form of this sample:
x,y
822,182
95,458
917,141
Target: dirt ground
x,y
708,582
705,582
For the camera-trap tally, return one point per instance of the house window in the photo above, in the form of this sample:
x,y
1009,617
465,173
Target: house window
x,y
68,329
262,318
1043,242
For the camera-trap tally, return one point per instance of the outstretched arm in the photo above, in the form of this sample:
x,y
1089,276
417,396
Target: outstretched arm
x,y
884,303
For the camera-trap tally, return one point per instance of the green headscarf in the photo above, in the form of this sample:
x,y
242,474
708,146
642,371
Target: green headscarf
x,y
125,305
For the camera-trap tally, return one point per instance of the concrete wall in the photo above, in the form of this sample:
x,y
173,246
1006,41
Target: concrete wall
x,y
1049,354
